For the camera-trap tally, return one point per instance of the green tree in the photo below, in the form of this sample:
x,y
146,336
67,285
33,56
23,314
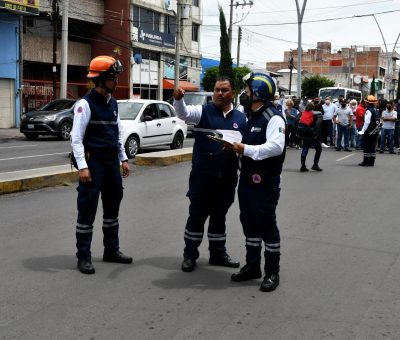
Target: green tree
x,y
310,86
213,73
225,65
210,75
372,89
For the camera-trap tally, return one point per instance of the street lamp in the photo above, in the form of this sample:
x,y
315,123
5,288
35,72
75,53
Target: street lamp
x,y
300,15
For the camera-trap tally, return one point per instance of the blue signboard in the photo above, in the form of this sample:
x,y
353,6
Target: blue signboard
x,y
156,38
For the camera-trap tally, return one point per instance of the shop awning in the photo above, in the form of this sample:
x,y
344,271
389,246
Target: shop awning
x,y
168,84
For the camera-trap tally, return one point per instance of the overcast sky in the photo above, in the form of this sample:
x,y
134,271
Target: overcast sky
x,y
258,49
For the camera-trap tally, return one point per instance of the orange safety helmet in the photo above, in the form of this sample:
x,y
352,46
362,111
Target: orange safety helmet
x,y
370,99
104,65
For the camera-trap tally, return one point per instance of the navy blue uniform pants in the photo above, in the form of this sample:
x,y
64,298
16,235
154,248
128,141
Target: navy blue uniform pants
x,y
369,148
210,197
258,202
107,180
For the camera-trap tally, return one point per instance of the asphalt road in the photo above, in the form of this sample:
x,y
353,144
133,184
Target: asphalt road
x,y
22,154
340,268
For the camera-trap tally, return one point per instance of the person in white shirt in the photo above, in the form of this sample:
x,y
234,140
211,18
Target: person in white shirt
x,y
389,117
327,125
343,118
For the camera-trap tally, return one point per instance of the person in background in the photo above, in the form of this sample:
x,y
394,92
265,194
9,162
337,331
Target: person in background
x,y
213,178
292,115
360,112
397,127
277,104
369,131
311,121
353,129
389,117
343,118
327,124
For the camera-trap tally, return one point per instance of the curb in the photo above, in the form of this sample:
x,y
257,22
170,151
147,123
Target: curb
x,y
34,179
164,158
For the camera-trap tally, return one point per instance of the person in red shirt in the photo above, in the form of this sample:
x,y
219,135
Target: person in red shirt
x,y
360,112
310,125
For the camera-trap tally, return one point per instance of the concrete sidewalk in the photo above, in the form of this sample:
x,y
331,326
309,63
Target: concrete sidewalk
x,y
31,179
12,133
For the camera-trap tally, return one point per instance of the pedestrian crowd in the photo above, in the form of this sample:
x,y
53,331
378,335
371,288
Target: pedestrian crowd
x,y
343,126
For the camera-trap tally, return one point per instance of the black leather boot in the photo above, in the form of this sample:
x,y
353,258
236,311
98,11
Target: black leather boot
x,y
85,266
246,273
270,282
117,257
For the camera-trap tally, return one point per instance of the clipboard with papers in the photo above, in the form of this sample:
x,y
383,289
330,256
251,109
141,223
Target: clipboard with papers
x,y
228,137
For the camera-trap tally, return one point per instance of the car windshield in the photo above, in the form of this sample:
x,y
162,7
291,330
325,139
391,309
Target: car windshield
x,y
58,105
195,99
129,110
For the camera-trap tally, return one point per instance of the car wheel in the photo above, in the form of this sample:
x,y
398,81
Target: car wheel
x,y
31,136
132,146
177,142
65,131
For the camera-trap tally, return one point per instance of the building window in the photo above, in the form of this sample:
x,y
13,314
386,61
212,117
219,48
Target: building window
x,y
169,25
146,18
196,3
195,32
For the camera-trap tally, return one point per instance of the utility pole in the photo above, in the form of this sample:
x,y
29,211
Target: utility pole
x,y
55,16
177,43
291,72
236,5
238,48
300,15
64,50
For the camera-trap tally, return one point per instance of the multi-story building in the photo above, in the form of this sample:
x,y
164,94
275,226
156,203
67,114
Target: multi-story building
x,y
352,67
140,33
153,35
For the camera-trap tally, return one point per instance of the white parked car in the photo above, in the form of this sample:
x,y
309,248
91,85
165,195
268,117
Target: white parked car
x,y
148,122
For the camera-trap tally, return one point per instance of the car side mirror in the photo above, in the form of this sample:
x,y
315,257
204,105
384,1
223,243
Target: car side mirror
x,y
147,118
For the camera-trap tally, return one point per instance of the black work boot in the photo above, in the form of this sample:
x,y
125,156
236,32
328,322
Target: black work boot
x,y
365,162
246,273
223,261
188,265
270,282
303,164
85,266
371,161
117,257
315,167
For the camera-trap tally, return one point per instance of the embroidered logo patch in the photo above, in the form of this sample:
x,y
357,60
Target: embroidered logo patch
x,y
256,178
235,126
281,130
80,109
255,129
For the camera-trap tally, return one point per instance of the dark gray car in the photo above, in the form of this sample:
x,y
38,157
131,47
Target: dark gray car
x,y
197,98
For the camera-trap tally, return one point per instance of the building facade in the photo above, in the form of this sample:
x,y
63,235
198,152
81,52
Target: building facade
x,y
352,67
153,34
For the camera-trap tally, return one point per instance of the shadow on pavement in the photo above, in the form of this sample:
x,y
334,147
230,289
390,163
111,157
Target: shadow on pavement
x,y
51,264
203,277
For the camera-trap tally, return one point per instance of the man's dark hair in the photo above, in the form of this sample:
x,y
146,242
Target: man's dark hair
x,y
309,107
223,78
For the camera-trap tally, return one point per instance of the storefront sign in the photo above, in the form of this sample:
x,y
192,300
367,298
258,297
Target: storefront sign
x,y
169,67
21,6
156,38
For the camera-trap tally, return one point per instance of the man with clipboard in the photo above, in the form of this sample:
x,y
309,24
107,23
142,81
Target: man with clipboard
x,y
213,178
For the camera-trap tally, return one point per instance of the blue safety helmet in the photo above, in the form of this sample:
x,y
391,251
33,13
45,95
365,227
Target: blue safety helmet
x,y
261,85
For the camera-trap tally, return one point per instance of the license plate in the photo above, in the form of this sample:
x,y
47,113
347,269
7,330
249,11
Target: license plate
x,y
31,126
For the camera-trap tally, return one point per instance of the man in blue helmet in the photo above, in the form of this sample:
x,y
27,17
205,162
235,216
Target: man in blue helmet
x,y
263,153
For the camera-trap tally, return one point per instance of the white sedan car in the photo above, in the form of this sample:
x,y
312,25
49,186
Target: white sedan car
x,y
149,123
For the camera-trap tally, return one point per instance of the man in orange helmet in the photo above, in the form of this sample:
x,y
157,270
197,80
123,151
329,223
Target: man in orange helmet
x,y
98,150
370,131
